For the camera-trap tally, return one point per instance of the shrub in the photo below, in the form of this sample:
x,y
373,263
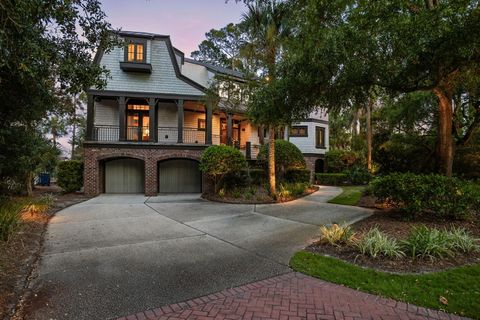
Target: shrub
x,y
359,175
9,218
434,243
70,175
257,176
287,190
435,194
376,243
341,160
287,157
336,234
332,179
298,175
218,161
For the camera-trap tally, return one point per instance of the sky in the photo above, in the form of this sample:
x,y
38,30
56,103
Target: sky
x,y
186,21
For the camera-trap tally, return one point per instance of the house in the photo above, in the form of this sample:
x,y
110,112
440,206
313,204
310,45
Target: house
x,y
147,129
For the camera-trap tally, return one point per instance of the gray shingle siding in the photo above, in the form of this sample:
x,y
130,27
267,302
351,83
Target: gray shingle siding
x,y
162,80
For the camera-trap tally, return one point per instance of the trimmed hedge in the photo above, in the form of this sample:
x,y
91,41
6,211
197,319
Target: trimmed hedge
x,y
332,179
434,194
257,176
341,160
287,156
298,175
70,175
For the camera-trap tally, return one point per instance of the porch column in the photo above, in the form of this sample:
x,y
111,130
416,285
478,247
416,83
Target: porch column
x,y
261,137
208,123
122,107
180,121
287,133
152,115
90,116
229,129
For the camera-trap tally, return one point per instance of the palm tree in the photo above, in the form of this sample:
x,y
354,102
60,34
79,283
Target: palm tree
x,y
265,22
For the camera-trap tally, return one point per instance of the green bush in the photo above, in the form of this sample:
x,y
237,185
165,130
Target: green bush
x,y
70,175
376,243
441,196
341,160
298,175
467,162
332,179
287,157
218,161
9,218
257,176
359,175
288,190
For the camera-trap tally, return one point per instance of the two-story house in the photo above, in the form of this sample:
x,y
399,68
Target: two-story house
x,y
147,129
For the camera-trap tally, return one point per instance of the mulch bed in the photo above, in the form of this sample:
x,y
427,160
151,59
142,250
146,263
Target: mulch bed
x,y
396,225
261,197
19,255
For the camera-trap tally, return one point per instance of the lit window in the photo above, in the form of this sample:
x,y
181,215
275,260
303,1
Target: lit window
x,y
320,137
299,131
135,52
138,107
201,124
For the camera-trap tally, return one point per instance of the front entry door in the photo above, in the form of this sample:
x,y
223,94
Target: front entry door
x,y
138,123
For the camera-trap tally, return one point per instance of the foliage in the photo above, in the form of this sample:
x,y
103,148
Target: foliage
x,y
349,196
45,56
375,243
23,152
433,194
359,175
297,175
70,175
289,190
336,234
219,160
287,156
467,162
9,218
223,47
341,160
332,179
434,243
257,176
459,285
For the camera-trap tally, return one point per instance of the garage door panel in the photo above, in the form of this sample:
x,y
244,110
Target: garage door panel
x,y
124,176
179,176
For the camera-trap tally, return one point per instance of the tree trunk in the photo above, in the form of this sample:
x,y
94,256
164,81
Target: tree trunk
x,y
28,183
445,138
369,135
271,160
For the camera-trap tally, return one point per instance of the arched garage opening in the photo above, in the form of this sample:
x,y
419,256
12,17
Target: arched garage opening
x,y
179,176
319,166
125,175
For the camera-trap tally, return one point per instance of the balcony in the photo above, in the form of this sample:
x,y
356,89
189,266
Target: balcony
x,y
165,135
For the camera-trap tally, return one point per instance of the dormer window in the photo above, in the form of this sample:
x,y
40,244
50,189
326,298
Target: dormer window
x,y
135,51
135,59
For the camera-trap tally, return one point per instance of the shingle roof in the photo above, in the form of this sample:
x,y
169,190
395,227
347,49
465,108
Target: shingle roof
x,y
217,69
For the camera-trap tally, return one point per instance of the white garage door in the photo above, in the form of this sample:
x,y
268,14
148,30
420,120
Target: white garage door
x,y
124,176
179,176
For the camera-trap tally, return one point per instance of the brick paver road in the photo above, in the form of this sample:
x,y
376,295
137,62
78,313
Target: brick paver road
x,y
291,296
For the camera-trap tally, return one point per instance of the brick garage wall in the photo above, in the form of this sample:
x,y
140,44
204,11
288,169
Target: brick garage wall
x,y
96,155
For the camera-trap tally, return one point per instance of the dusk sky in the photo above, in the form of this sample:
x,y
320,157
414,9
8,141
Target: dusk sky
x,y
186,21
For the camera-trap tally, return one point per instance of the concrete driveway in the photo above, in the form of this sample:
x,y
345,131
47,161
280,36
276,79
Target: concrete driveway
x,y
117,255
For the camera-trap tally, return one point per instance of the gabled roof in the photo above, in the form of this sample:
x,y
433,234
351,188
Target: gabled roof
x,y
218,69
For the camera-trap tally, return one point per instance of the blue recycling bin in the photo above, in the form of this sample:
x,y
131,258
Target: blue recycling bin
x,y
44,179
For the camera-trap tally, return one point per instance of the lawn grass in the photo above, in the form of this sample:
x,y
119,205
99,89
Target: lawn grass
x,y
461,286
350,196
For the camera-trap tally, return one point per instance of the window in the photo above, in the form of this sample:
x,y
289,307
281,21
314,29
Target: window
x,y
135,51
319,137
299,131
201,124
